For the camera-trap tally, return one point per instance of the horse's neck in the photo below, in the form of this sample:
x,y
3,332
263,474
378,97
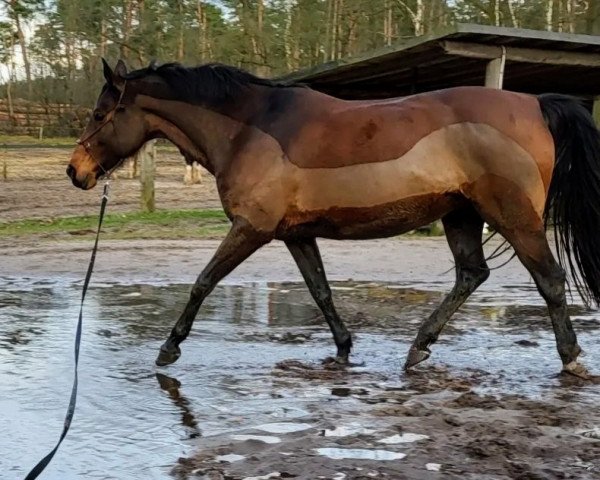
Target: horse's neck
x,y
203,133
160,128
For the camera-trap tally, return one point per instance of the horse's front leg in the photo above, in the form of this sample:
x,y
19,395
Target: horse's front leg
x,y
241,241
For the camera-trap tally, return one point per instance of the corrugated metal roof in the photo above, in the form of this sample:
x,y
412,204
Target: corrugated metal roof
x,y
422,64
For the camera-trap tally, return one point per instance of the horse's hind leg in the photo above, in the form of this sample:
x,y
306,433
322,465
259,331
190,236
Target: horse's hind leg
x,y
534,252
463,231
307,257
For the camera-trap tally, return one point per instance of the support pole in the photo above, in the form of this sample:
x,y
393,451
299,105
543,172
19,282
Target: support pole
x,y
494,71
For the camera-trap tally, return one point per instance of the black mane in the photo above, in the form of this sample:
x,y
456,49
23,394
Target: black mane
x,y
211,82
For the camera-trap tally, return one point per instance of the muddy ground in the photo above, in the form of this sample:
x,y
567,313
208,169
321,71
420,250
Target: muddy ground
x,y
488,404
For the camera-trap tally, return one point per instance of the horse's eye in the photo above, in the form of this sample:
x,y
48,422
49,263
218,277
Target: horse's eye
x,y
98,116
121,108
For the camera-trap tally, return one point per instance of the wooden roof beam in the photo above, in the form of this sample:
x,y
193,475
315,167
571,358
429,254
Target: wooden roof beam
x,y
517,54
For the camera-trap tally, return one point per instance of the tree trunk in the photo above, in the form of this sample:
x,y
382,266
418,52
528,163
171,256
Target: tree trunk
x,y
180,39
22,44
569,16
549,14
592,20
513,16
11,111
328,31
387,23
339,29
496,17
102,49
419,18
287,39
126,27
263,69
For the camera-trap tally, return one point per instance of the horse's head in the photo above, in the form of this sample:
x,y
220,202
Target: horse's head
x,y
115,131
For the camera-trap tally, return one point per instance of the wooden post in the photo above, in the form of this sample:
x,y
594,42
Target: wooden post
x,y
146,157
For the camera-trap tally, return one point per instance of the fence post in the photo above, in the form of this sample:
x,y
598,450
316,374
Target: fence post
x,y
146,157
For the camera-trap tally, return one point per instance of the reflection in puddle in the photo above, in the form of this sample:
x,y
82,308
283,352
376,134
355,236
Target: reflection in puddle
x,y
359,454
171,386
135,422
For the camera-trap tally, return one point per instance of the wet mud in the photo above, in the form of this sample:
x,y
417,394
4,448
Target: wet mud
x,y
250,397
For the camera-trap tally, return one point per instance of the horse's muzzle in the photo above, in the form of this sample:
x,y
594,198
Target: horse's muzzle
x,y
85,182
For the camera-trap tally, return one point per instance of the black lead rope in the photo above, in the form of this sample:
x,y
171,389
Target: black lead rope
x,y
43,463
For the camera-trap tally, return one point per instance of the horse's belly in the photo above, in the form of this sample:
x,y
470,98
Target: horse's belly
x,y
378,221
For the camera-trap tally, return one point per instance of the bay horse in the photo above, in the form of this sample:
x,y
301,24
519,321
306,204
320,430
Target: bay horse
x,y
294,164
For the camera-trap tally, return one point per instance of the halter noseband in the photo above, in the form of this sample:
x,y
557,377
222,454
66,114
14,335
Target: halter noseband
x,y
84,142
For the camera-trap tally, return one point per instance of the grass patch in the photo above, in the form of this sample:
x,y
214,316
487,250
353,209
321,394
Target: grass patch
x,y
26,141
163,224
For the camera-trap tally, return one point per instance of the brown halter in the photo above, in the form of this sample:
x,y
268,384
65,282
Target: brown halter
x,y
108,119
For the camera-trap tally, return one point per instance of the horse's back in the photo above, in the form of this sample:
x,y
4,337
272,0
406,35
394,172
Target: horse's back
x,y
351,133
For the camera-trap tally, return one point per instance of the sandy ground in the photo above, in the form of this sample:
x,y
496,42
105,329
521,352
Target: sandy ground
x,y
37,186
411,261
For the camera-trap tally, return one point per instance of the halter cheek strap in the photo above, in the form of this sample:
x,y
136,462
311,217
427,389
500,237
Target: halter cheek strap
x,y
84,142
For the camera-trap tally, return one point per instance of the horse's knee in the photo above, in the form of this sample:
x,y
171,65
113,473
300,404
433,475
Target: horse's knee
x,y
200,290
472,277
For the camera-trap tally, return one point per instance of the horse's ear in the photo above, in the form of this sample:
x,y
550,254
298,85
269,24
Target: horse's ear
x,y
108,73
119,74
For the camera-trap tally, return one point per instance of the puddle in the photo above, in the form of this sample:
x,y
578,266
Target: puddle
x,y
344,431
403,438
253,365
229,458
283,427
359,454
265,477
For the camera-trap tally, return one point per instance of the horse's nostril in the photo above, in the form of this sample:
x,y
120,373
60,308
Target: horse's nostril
x,y
70,171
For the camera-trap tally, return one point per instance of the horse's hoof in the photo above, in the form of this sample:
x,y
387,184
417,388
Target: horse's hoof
x,y
576,369
416,356
168,355
341,361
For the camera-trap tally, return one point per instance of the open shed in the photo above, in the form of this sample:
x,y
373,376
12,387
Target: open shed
x,y
515,59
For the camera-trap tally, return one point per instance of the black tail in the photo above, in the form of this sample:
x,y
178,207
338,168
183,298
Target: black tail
x,y
573,202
